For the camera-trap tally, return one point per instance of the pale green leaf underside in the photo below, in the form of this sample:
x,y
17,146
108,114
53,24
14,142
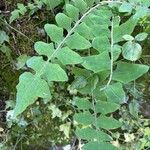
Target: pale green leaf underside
x,y
127,72
30,87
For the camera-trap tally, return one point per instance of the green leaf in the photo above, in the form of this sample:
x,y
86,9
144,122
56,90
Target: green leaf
x,y
82,103
14,15
97,63
81,5
141,12
105,107
51,3
67,56
108,123
131,51
101,31
84,31
78,83
123,29
84,118
72,12
66,128
115,93
99,146
141,36
116,52
134,108
43,48
30,87
91,134
21,61
3,37
128,37
101,43
53,72
63,21
6,50
56,112
78,42
126,7
127,72
54,32
22,8
90,2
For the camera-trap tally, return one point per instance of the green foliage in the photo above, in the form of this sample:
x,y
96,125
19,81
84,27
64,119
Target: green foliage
x,y
84,53
21,10
32,8
127,72
3,37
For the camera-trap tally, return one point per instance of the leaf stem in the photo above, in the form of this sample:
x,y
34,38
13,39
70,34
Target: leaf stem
x,y
111,56
77,23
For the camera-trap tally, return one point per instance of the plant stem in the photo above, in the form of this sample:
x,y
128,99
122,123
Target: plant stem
x,y
111,56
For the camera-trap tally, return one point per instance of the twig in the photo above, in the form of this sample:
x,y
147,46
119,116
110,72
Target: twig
x,y
16,30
